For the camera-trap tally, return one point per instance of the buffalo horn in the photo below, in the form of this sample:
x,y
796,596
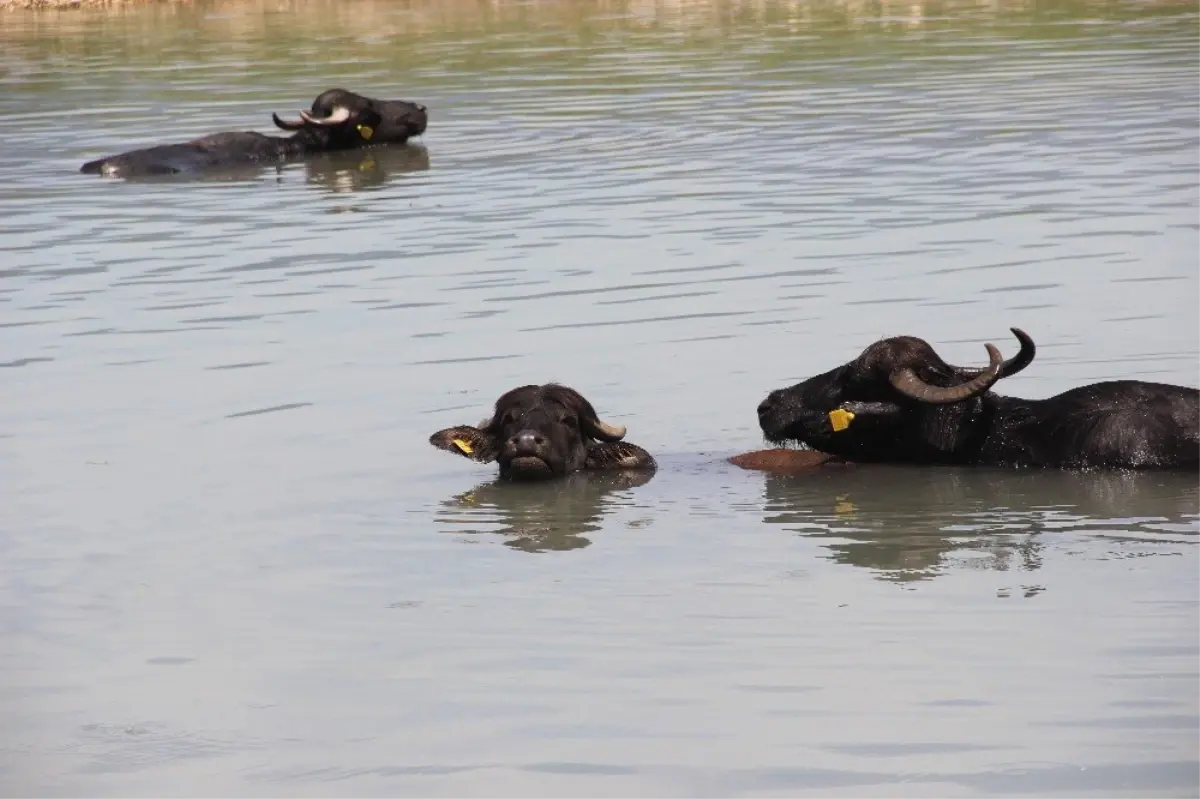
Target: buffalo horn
x,y
339,115
1013,364
907,383
285,125
606,431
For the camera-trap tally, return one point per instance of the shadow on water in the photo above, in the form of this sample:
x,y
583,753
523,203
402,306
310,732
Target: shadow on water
x,y
554,516
916,524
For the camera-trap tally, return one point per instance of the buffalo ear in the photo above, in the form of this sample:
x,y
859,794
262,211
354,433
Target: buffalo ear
x,y
470,442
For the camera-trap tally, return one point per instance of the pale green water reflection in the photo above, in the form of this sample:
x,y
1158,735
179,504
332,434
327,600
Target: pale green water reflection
x,y
234,566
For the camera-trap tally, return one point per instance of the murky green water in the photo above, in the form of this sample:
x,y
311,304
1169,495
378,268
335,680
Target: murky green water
x,y
674,207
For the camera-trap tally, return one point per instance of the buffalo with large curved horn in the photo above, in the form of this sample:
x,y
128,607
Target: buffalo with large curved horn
x,y
899,402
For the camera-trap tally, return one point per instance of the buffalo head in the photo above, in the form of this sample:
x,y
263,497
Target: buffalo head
x,y
888,403
343,120
544,431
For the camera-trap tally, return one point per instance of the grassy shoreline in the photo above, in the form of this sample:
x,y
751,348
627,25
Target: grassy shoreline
x,y
68,4
862,6
144,25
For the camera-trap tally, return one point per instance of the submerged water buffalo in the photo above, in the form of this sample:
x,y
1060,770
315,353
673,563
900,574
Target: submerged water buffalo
x,y
899,402
339,120
537,432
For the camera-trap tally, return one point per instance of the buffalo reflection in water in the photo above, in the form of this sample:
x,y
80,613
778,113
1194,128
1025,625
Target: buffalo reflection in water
x,y
551,516
340,172
915,524
364,170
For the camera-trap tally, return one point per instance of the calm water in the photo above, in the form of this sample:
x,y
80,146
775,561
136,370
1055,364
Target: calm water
x,y
232,565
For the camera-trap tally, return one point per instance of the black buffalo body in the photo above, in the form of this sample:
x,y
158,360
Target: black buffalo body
x,y
339,120
538,432
899,402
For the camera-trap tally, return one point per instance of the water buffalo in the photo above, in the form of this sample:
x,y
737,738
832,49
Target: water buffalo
x,y
537,432
899,402
339,120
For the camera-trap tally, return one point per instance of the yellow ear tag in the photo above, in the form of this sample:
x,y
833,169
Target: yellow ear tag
x,y
840,419
366,131
463,445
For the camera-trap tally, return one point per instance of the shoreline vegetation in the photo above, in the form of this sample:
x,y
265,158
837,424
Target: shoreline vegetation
x,y
57,5
69,26
861,8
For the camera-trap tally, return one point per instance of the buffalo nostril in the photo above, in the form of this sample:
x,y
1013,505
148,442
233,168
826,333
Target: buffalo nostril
x,y
420,108
527,441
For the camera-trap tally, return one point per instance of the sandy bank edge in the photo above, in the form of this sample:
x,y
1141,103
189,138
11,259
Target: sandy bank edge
x,y
12,5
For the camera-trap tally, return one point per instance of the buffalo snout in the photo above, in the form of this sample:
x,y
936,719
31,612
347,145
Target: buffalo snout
x,y
400,120
528,455
526,447
779,414
767,406
526,442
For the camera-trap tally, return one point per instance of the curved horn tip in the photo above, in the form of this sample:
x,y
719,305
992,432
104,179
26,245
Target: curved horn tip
x,y
283,124
1012,366
1022,336
616,430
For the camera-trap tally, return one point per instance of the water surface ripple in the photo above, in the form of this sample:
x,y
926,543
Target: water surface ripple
x,y
234,566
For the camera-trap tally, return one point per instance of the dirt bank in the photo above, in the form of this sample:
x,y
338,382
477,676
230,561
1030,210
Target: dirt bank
x,y
13,4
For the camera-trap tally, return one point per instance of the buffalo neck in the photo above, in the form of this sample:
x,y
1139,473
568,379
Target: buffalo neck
x,y
300,143
993,430
958,433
